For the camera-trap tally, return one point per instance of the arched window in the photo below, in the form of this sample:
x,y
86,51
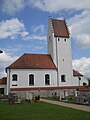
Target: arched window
x,y
47,79
31,79
63,78
14,77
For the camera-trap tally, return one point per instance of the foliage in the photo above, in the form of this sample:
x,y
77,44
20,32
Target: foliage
x,y
40,111
37,97
56,98
71,97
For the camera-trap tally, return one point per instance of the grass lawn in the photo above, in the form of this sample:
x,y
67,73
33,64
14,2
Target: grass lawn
x,y
40,111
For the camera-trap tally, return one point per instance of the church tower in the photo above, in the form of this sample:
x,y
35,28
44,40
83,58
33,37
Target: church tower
x,y
59,46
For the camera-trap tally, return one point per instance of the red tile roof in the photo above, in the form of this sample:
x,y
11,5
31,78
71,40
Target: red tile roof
x,y
76,73
36,61
33,61
3,80
60,28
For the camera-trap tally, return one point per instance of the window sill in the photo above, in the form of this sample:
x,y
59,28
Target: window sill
x,y
31,85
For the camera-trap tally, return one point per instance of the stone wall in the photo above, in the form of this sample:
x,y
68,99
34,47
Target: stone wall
x,y
45,93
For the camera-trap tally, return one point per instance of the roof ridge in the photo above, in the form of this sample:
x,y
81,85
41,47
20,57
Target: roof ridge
x,y
35,54
76,73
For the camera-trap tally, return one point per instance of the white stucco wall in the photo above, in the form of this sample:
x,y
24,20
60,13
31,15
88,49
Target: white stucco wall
x,y
83,80
51,42
64,61
39,75
77,82
8,81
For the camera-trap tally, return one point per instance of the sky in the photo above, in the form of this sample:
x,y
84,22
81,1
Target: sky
x,y
24,28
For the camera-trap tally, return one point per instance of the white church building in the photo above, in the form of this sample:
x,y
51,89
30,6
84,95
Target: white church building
x,y
46,74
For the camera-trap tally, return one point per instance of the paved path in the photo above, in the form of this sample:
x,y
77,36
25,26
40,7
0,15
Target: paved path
x,y
75,106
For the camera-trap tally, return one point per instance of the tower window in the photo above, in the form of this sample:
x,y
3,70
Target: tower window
x,y
31,79
79,78
84,84
47,79
14,85
14,77
63,78
58,39
65,40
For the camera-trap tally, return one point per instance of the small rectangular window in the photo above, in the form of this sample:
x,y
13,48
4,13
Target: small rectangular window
x,y
14,77
58,39
65,40
63,78
84,84
14,85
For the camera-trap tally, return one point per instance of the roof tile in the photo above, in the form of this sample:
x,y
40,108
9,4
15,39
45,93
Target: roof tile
x,y
76,73
60,28
33,61
3,80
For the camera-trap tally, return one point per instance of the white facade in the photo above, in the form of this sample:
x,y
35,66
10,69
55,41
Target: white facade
x,y
39,78
60,50
81,82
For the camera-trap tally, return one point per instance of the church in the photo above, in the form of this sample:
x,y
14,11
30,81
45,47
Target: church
x,y
46,74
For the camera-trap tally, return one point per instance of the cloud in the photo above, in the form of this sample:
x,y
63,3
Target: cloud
x,y
13,28
38,29
39,47
80,29
5,60
12,6
82,65
38,32
13,49
38,37
57,5
79,23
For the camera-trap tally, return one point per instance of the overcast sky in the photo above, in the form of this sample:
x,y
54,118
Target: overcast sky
x,y
24,27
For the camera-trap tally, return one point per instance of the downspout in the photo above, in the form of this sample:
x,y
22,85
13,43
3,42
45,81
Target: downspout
x,y
8,82
57,63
